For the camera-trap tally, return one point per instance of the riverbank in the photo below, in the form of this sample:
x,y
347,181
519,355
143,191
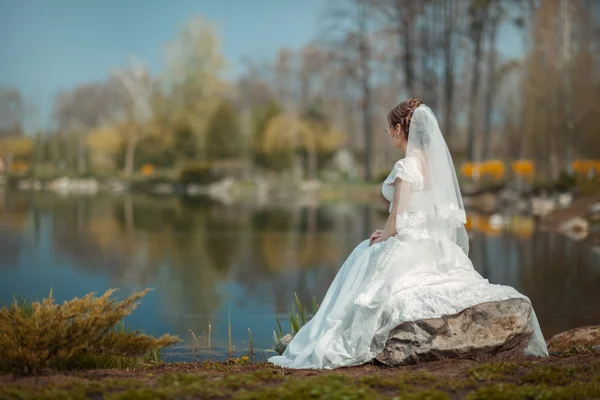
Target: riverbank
x,y
567,377
579,208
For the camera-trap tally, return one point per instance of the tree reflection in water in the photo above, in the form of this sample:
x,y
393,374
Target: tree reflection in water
x,y
203,258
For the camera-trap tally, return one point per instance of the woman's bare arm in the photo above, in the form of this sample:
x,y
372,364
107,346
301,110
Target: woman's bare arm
x,y
390,225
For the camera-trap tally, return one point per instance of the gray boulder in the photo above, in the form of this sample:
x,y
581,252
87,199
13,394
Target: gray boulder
x,y
283,343
483,331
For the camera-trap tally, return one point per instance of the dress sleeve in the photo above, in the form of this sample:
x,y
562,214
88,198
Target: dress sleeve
x,y
406,169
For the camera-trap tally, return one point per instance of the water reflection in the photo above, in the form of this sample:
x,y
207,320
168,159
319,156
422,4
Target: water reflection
x,y
205,259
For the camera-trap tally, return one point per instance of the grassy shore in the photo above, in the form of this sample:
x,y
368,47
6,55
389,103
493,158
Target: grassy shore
x,y
569,377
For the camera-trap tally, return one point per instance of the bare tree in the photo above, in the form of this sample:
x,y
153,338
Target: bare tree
x,y
138,88
449,50
354,51
11,112
401,17
478,17
82,109
495,14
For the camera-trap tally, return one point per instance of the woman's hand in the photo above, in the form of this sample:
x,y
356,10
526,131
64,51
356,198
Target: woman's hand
x,y
375,236
378,240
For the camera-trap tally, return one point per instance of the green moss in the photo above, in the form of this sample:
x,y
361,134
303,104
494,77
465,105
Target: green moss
x,y
502,391
549,375
576,390
331,386
455,385
427,394
421,378
593,368
138,394
572,350
397,382
493,371
26,394
540,382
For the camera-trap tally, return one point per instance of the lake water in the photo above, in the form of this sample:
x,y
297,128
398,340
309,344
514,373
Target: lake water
x,y
205,260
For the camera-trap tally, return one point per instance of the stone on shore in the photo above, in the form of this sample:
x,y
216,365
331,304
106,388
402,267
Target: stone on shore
x,y
486,330
283,343
587,337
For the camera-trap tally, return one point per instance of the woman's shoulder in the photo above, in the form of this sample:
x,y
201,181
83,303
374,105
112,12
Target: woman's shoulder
x,y
407,169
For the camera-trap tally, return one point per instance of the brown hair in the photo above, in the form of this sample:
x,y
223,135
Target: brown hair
x,y
402,114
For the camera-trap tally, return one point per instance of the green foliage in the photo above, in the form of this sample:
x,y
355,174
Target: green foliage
x,y
185,143
297,319
565,182
224,139
198,173
192,83
261,117
78,333
300,310
150,150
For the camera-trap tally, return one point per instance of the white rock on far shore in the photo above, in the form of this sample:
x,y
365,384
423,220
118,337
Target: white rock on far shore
x,y
576,228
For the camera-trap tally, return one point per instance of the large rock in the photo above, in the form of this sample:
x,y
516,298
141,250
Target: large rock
x,y
497,328
587,337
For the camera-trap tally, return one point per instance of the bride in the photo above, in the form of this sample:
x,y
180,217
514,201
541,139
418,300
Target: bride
x,y
417,267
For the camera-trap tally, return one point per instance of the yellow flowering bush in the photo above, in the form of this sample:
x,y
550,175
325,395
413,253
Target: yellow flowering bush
x,y
524,168
20,166
494,169
583,167
147,169
470,169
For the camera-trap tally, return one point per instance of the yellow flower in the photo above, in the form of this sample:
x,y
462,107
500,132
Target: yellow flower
x,y
470,169
147,169
20,166
493,168
524,168
585,166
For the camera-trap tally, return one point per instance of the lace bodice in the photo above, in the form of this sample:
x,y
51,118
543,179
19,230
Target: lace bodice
x,y
406,169
422,218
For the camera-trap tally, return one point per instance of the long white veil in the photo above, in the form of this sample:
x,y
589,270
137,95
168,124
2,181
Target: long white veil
x,y
438,206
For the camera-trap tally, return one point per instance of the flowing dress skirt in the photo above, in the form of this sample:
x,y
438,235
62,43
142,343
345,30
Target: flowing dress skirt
x,y
380,286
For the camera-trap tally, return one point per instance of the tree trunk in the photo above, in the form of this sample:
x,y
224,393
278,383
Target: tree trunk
x,y
364,55
566,73
312,163
81,167
130,157
491,90
405,17
449,17
476,32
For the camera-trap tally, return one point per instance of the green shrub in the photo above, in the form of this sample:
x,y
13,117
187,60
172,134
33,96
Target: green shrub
x,y
200,174
565,182
48,335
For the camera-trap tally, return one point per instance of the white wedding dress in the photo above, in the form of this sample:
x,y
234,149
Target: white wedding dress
x,y
421,272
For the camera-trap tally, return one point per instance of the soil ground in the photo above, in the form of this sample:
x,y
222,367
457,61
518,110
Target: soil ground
x,y
556,377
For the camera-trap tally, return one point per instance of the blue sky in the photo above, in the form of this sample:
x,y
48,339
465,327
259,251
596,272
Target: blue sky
x,y
48,45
